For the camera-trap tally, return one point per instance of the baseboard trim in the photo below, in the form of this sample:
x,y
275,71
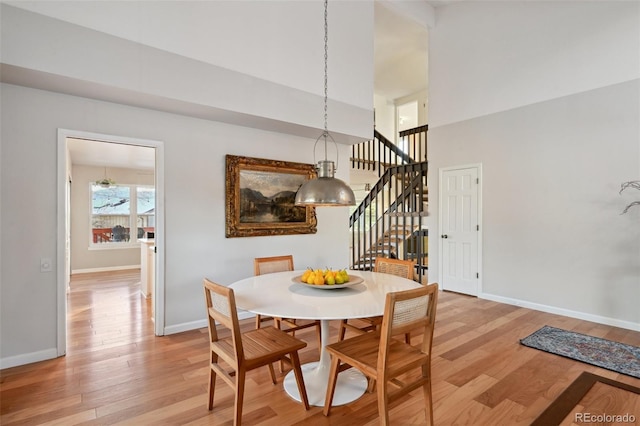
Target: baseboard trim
x,y
561,311
185,326
194,325
105,269
29,358
245,314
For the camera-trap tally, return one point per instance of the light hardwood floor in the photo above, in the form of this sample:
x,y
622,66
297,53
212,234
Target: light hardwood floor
x,y
117,372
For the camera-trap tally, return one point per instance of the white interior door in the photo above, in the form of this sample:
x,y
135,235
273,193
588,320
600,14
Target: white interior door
x,y
460,229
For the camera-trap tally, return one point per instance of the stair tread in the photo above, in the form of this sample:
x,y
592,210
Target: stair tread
x,y
409,182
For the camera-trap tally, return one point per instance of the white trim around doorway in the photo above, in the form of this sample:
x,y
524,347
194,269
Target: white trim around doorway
x,y
62,179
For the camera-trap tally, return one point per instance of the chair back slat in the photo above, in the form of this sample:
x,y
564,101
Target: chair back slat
x,y
398,267
268,265
410,311
221,308
220,304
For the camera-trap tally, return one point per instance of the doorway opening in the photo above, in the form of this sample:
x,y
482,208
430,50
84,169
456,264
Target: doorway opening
x,y
104,179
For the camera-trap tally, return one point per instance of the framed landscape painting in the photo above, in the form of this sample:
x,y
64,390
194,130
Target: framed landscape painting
x,y
260,197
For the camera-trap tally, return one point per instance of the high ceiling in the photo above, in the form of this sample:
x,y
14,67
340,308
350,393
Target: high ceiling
x,y
400,69
400,55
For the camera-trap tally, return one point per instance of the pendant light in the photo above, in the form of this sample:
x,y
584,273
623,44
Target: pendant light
x,y
325,190
105,182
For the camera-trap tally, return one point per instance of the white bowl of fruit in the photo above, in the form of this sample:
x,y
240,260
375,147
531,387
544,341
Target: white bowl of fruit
x,y
327,278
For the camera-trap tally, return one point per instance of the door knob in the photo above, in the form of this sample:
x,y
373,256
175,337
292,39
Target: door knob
x,y
444,236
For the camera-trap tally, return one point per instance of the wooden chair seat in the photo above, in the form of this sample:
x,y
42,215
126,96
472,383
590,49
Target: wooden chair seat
x,y
266,342
363,350
396,366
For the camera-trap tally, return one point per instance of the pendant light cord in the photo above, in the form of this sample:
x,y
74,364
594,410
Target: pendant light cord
x,y
326,133
326,80
326,57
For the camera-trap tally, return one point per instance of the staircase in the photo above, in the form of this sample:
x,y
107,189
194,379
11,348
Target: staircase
x,y
389,220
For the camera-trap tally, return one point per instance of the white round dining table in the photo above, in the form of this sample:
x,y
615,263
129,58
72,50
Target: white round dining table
x,y
281,294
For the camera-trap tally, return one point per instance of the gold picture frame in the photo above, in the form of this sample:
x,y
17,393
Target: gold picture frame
x,y
260,195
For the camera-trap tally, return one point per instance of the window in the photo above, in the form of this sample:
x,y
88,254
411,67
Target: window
x,y
146,208
407,116
120,214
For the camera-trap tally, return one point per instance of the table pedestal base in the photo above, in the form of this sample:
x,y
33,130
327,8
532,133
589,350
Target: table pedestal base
x,y
351,385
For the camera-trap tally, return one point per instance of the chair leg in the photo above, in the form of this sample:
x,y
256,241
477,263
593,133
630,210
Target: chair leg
x,y
212,387
272,373
239,398
319,335
258,321
277,324
383,403
343,330
428,397
331,386
371,386
212,380
295,361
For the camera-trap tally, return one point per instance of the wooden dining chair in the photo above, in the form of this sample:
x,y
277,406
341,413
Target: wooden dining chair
x,y
246,351
396,366
267,265
398,267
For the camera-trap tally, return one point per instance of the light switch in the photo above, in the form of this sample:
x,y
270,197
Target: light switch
x,y
45,264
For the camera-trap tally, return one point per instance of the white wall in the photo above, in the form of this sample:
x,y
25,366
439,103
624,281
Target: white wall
x,y
385,120
84,62
546,96
254,37
495,56
421,98
84,258
117,74
194,206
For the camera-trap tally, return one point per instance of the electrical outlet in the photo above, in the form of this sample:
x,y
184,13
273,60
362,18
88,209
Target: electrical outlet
x,y
45,264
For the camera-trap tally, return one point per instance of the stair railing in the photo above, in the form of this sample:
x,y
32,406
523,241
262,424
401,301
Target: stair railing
x,y
415,142
388,222
378,153
389,216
